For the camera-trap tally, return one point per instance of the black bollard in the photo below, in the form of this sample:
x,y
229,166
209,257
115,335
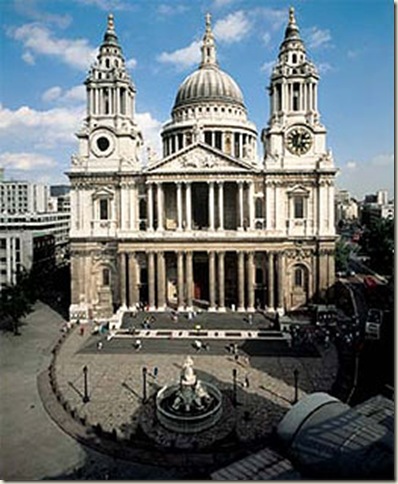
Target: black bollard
x,y
86,398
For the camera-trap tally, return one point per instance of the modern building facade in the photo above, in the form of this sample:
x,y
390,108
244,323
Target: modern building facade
x,y
18,196
208,224
32,239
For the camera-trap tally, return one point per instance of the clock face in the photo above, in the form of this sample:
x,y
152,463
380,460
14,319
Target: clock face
x,y
299,141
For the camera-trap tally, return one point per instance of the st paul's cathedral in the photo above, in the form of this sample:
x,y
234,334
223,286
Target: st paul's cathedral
x,y
209,224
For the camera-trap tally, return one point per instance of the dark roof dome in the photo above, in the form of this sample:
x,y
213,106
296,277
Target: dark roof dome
x,y
209,82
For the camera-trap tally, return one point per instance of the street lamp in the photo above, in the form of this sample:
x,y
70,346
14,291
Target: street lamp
x,y
296,377
234,373
144,373
86,398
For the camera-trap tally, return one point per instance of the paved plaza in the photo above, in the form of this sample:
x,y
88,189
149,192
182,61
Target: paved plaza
x,y
115,370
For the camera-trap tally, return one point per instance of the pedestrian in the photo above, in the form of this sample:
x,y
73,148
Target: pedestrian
x,y
155,372
197,345
250,319
99,345
81,330
138,345
206,346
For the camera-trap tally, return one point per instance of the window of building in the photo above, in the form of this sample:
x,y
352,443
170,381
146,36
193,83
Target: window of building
x,y
218,139
259,276
104,209
298,277
259,208
105,277
298,202
296,94
208,137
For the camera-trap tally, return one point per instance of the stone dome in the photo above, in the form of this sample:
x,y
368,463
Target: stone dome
x,y
209,83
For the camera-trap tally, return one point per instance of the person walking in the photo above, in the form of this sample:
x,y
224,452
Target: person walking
x,y
155,372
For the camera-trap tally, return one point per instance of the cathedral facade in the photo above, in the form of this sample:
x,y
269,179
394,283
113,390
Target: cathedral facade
x,y
208,224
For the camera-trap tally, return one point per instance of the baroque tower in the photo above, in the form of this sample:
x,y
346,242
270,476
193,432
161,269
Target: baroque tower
x,y
298,167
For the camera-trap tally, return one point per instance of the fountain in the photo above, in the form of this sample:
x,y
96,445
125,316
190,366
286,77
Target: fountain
x,y
190,406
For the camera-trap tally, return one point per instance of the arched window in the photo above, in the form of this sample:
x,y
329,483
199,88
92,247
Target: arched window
x,y
105,277
298,277
294,58
107,63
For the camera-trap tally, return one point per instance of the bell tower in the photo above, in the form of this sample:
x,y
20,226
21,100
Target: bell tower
x,y
110,139
294,137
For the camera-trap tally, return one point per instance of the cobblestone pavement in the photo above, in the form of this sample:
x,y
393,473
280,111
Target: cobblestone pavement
x,y
115,379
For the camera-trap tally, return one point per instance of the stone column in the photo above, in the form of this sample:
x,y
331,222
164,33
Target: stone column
x,y
240,187
151,281
161,281
221,205
250,281
241,281
150,207
211,205
123,288
180,280
133,281
189,280
179,206
271,302
212,281
188,202
221,282
159,194
251,205
280,278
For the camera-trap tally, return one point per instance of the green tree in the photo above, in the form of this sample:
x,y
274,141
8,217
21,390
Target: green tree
x,y
16,301
342,254
377,242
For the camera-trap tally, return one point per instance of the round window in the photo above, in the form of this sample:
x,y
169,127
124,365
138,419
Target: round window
x,y
103,143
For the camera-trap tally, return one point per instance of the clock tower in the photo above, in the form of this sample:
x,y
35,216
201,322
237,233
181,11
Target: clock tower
x,y
295,137
299,171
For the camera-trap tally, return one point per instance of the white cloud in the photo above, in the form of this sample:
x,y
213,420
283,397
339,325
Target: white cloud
x,y
267,67
233,28
182,58
40,129
25,161
29,9
150,127
169,10
222,3
76,94
318,38
131,63
273,17
362,177
51,94
266,38
41,41
107,5
28,58
324,67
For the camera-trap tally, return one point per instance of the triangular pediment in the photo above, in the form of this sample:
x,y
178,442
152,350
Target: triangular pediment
x,y
103,192
199,158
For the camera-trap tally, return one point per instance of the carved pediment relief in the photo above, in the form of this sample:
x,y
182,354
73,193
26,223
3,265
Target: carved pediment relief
x,y
199,158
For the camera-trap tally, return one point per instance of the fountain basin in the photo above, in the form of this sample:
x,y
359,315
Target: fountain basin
x,y
188,422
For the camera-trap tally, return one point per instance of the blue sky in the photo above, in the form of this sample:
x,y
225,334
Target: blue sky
x,y
46,48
